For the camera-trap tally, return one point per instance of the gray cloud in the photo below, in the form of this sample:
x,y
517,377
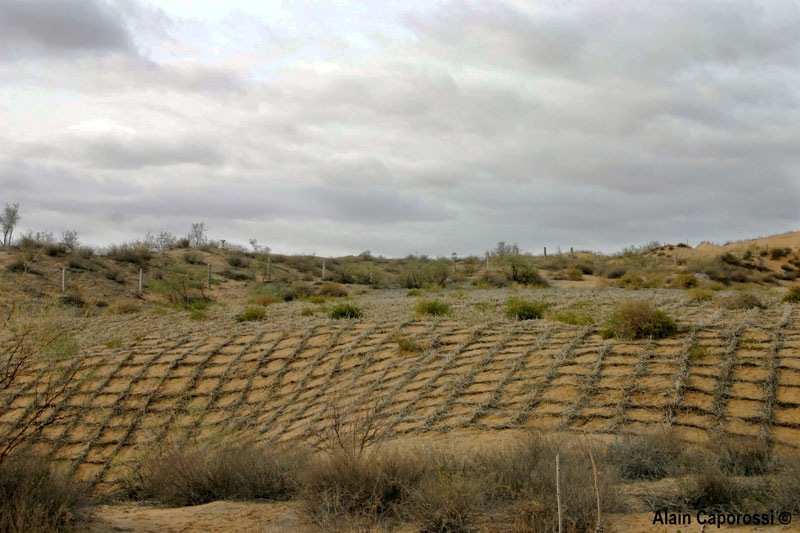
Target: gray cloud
x,y
56,27
593,125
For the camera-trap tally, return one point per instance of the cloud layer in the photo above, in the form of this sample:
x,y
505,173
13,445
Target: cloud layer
x,y
583,124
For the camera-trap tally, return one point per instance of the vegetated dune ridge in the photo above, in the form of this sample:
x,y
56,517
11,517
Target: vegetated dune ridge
x,y
277,379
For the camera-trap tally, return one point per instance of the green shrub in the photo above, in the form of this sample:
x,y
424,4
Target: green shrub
x,y
777,253
792,295
575,316
307,311
237,261
252,313
406,343
433,307
637,319
346,310
414,292
520,309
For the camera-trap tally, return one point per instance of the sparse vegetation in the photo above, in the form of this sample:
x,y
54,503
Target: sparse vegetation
x,y
698,295
792,295
332,289
741,300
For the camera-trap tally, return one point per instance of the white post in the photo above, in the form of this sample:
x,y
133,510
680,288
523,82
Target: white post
x,y
487,260
454,264
558,494
140,281
63,279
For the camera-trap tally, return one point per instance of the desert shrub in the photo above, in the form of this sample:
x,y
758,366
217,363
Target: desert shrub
x,y
730,259
307,311
785,487
571,274
574,316
647,457
638,319
137,253
182,284
529,275
296,291
193,258
193,475
73,298
524,474
264,299
406,343
414,292
115,275
85,252
494,278
448,502
615,272
792,295
698,294
741,300
520,309
122,307
35,499
707,488
684,281
777,253
346,310
630,281
340,488
432,307
236,276
238,261
744,456
331,288
252,313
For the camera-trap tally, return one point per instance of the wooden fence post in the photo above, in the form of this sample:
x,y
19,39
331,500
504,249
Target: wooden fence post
x,y
323,269
63,279
208,276
140,281
571,254
545,253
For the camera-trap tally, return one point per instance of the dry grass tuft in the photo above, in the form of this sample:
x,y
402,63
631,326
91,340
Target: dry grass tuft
x,y
434,307
742,300
194,474
333,289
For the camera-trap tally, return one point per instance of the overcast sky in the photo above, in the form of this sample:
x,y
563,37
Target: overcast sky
x,y
402,127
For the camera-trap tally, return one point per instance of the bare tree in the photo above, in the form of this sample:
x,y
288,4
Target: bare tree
x,y
69,239
161,241
197,235
8,220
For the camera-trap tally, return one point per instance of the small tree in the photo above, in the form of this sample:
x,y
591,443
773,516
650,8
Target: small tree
x,y
8,221
161,241
69,239
182,284
197,235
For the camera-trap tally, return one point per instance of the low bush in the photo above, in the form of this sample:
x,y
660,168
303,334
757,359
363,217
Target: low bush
x,y
698,294
744,456
237,261
777,253
193,258
406,343
520,309
252,313
574,316
647,457
433,307
333,289
448,502
414,292
193,475
638,319
630,281
741,300
264,299
34,499
684,281
346,310
137,253
792,295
